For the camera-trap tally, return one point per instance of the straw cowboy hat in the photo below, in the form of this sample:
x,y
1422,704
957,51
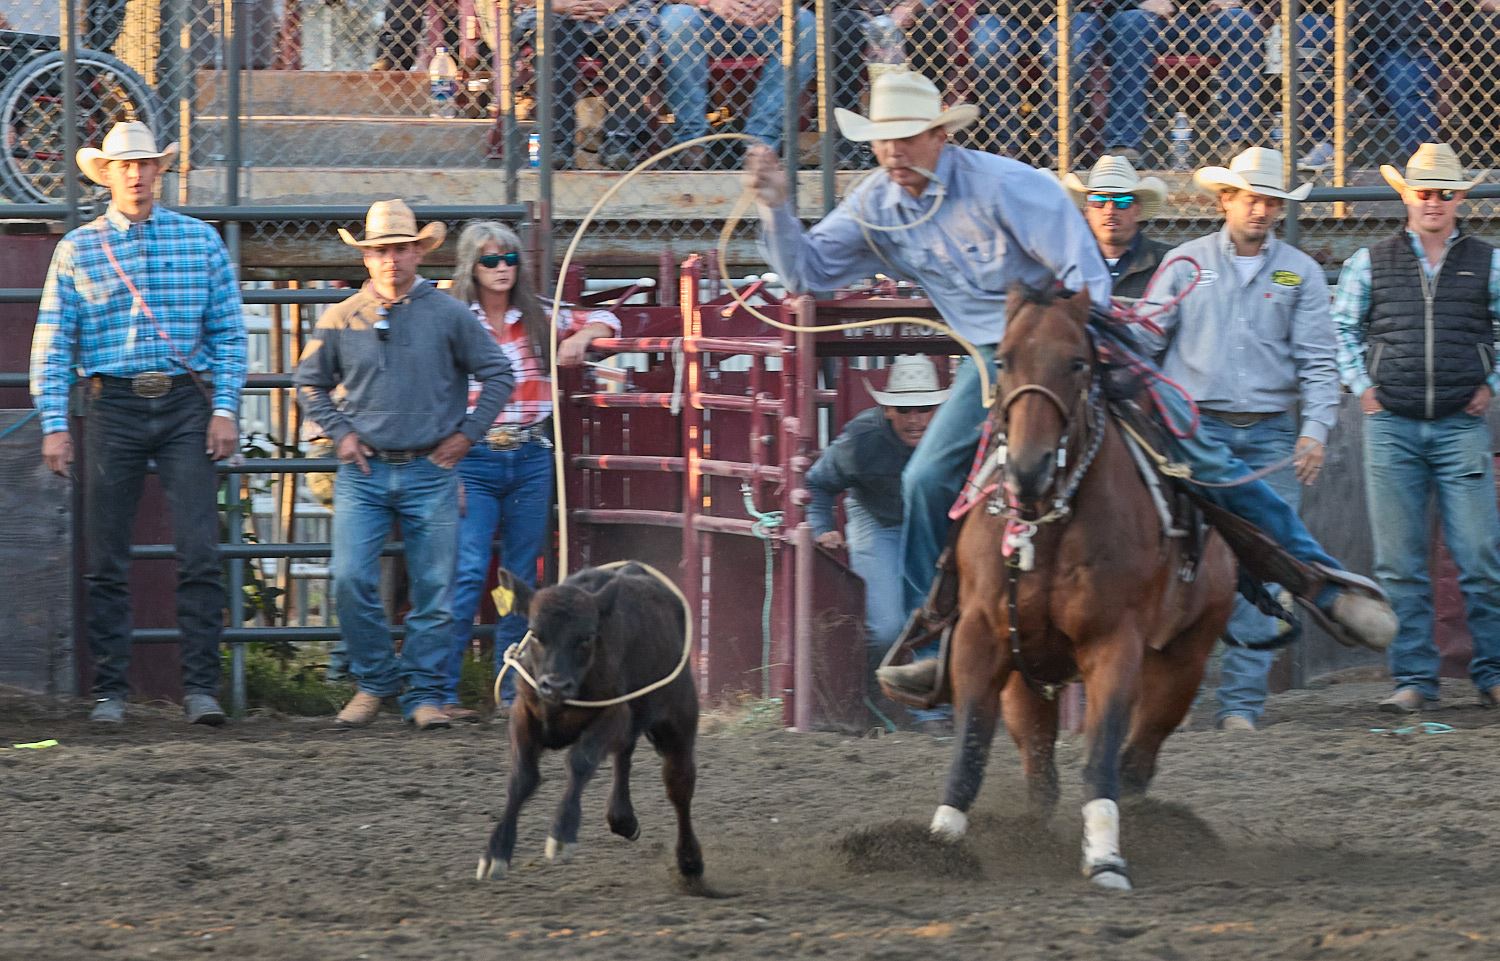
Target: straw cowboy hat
x,y
131,140
392,222
913,382
1433,167
903,104
1257,170
1115,175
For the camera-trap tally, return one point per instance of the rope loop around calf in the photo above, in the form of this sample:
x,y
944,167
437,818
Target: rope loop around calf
x,y
511,660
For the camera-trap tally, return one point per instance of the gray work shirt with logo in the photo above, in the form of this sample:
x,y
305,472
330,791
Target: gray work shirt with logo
x,y
1253,347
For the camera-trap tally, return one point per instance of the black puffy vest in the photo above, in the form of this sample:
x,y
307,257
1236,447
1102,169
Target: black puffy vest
x,y
1430,343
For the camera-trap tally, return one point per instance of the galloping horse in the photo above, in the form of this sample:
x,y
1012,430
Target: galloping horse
x,y
1067,571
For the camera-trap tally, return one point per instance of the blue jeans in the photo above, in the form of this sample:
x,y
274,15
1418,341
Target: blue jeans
x,y
996,45
508,490
423,497
940,463
690,38
1407,461
875,555
1404,80
1137,38
1243,672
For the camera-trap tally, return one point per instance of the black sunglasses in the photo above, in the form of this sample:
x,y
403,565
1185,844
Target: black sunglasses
x,y
1121,201
510,259
1443,195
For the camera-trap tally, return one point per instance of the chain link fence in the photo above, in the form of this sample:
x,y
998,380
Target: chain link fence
x,y
474,101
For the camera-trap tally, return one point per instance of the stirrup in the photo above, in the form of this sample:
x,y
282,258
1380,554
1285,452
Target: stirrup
x,y
922,628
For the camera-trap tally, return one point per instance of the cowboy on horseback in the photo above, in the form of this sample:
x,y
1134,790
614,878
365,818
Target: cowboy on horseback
x,y
965,225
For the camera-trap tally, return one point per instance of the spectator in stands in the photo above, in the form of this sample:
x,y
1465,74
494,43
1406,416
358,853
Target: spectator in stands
x,y
622,34
692,35
507,477
1418,318
1254,347
403,352
402,36
144,302
1115,199
1396,47
867,459
1004,37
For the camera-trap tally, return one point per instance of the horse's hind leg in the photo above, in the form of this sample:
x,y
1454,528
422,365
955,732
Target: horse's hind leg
x,y
976,703
1032,722
1169,682
1111,667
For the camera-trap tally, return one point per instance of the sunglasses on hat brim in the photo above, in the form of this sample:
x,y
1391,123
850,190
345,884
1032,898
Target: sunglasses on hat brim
x,y
1121,201
510,259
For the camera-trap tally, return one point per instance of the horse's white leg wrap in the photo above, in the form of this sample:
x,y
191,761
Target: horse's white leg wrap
x,y
949,823
1102,863
559,851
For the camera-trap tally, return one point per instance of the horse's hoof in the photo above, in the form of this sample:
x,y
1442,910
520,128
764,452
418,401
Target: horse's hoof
x,y
1111,881
1110,875
490,869
949,823
559,852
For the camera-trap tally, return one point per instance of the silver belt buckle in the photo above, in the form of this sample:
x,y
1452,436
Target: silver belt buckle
x,y
504,437
151,384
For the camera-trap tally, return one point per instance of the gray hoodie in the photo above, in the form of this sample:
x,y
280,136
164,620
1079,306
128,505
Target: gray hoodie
x,y
411,390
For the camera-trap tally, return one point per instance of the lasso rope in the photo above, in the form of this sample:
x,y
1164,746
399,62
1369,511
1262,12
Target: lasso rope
x,y
747,197
512,657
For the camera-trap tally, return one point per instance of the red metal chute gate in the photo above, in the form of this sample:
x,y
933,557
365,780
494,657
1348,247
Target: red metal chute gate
x,y
656,471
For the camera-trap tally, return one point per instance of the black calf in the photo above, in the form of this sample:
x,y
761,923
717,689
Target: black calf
x,y
601,634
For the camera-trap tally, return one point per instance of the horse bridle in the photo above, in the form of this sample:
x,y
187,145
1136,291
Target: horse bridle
x,y
1020,529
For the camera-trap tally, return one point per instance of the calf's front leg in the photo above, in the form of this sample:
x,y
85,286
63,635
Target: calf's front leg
x,y
524,777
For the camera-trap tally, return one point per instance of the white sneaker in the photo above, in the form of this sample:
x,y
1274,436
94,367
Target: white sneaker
x,y
1317,158
1233,723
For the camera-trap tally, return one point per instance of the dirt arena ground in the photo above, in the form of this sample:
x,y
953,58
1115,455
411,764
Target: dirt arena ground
x,y
287,840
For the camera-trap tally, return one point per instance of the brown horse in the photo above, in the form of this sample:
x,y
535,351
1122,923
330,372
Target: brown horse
x,y
1066,572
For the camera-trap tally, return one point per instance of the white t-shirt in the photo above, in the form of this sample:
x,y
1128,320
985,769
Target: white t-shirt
x,y
1247,266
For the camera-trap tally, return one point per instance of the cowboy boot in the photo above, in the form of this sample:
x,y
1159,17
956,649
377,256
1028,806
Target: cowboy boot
x,y
921,684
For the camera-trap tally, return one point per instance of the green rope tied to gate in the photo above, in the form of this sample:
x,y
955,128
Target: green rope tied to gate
x,y
764,527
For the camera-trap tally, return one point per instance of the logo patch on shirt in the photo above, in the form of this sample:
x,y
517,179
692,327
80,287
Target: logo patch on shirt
x,y
1286,278
1207,276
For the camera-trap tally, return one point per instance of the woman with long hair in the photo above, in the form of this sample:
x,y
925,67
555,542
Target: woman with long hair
x,y
507,476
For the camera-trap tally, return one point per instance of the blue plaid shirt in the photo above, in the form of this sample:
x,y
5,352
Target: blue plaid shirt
x,y
89,322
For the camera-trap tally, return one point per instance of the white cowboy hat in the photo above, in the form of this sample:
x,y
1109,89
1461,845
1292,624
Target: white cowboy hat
x,y
1258,170
129,140
912,382
1115,175
903,104
392,222
1433,167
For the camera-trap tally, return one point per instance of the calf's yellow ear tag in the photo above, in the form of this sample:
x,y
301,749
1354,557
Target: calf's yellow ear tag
x,y
504,598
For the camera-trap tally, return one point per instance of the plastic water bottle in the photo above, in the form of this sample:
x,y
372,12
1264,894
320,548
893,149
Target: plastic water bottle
x,y
1276,131
885,46
534,149
442,85
1182,142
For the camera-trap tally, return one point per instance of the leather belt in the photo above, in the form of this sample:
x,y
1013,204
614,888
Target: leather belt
x,y
399,457
510,436
1240,419
150,385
